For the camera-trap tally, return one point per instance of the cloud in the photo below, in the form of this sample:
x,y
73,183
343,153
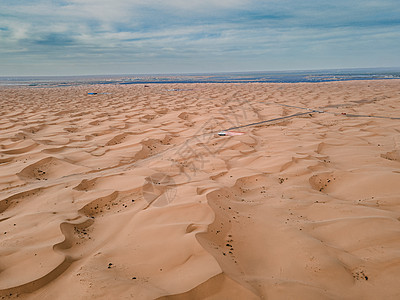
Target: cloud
x,y
141,35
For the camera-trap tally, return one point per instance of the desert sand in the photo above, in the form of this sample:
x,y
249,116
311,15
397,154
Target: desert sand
x,y
132,194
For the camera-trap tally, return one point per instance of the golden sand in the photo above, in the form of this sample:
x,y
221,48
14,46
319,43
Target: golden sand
x,y
131,193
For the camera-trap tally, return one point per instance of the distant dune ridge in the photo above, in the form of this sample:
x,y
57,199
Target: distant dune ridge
x,y
130,193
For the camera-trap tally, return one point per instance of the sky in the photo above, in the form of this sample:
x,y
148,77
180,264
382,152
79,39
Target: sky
x,y
93,37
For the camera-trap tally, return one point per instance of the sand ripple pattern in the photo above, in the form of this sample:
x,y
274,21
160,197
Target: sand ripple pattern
x,y
130,194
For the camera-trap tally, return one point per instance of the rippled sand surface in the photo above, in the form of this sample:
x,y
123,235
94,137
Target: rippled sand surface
x,y
132,194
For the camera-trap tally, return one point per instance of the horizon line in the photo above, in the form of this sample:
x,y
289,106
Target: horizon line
x,y
212,72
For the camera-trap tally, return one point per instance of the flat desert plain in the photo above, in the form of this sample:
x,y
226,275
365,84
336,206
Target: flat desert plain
x,y
132,194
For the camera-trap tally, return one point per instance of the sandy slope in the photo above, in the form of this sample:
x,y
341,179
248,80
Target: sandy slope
x,y
130,194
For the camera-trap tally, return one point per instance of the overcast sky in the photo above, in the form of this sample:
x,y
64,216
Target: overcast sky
x,y
78,37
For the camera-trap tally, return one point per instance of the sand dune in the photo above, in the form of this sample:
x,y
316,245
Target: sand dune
x,y
132,194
